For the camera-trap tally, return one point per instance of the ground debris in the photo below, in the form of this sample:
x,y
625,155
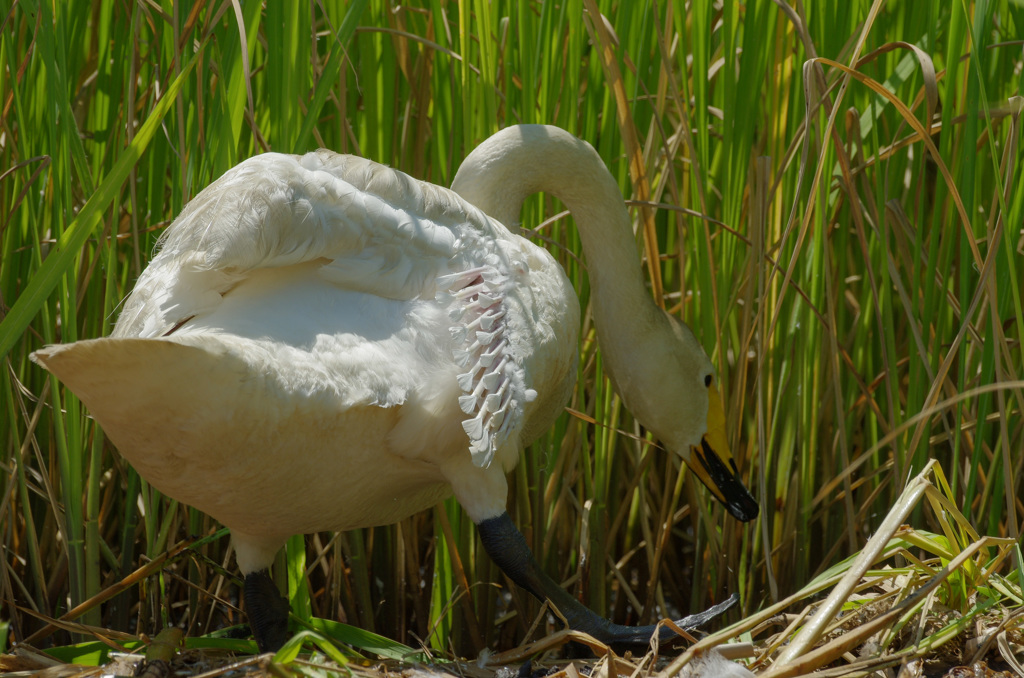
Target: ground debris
x,y
977,670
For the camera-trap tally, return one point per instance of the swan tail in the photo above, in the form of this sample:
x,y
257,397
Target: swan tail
x,y
134,385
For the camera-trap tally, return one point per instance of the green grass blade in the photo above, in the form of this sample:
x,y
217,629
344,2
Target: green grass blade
x,y
65,252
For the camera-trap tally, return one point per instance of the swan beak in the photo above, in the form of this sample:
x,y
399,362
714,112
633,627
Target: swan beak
x,y
714,465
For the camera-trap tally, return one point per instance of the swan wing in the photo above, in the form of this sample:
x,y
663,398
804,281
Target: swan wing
x,y
278,231
367,226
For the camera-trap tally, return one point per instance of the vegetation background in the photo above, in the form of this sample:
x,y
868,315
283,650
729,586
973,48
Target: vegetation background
x,y
828,192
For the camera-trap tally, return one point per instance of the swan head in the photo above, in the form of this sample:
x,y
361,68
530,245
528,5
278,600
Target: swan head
x,y
672,389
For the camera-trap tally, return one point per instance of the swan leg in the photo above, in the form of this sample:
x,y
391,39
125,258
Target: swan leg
x,y
267,610
507,547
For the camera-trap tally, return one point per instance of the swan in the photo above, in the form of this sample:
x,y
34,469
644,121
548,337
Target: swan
x,y
324,343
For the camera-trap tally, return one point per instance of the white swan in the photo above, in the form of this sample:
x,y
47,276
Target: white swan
x,y
323,343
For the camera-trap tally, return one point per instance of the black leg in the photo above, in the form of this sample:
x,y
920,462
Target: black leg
x,y
267,611
507,547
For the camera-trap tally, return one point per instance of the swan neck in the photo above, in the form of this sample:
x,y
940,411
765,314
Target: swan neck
x,y
518,162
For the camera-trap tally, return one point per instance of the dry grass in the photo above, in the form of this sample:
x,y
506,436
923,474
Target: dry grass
x,y
830,192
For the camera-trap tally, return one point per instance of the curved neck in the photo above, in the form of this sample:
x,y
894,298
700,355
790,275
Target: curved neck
x,y
520,161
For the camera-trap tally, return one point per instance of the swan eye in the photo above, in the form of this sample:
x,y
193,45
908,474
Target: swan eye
x,y
707,381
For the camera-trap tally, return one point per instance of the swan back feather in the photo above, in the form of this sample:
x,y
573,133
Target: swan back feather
x,y
364,227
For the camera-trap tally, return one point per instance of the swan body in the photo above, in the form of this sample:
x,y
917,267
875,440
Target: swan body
x,y
323,343
294,357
